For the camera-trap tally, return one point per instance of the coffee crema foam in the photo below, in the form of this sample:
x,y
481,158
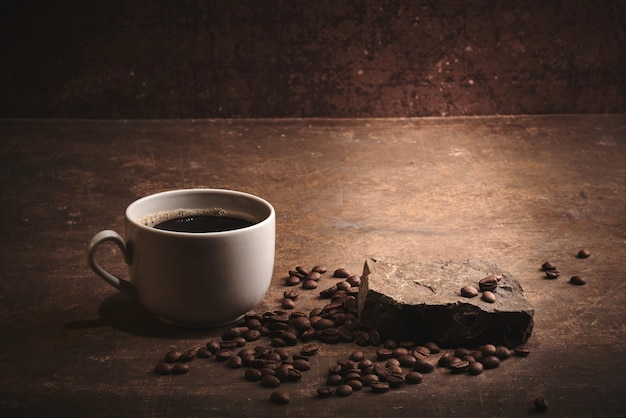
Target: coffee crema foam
x,y
157,218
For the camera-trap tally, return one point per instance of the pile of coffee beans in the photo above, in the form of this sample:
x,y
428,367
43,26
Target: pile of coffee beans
x,y
406,363
275,348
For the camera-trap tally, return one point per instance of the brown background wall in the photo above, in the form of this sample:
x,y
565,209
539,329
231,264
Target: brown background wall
x,y
324,58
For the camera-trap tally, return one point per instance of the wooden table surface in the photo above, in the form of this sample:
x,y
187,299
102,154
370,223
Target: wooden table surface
x,y
517,191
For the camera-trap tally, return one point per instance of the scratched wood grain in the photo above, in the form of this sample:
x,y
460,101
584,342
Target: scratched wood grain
x,y
515,190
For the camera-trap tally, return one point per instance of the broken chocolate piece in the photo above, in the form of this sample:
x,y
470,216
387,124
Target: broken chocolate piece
x,y
420,300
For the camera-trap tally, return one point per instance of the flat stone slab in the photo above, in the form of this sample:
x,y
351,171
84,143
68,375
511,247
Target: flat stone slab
x,y
421,300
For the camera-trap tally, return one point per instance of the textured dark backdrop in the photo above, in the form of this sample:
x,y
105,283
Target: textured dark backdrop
x,y
324,58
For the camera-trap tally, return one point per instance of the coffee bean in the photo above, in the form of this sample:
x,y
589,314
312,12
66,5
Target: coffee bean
x,y
541,405
270,381
320,269
552,274
488,283
309,349
226,345
475,368
379,387
334,380
469,291
357,356
291,294
459,367
413,378
343,391
423,366
293,280
487,349
395,380
279,397
341,273
433,347
309,284
355,384
384,354
374,337
522,351
213,346
502,352
235,362
490,362
548,266
163,368
329,292
253,375
313,275
302,271
489,296
180,368
325,392
446,359
390,344
407,360
461,352
421,352
369,378
354,281
204,352
223,354
584,253
172,356
252,335
302,365
577,280
343,285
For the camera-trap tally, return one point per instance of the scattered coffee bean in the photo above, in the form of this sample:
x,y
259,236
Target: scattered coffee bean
x,y
223,354
541,405
423,366
270,381
355,384
279,397
369,378
320,269
521,351
379,387
357,356
548,266
301,271
490,362
292,280
291,294
235,362
475,368
253,375
172,356
489,296
488,349
584,253
334,380
288,303
433,347
341,273
344,390
552,274
314,275
469,291
384,354
180,368
577,280
413,378
309,349
458,367
488,283
309,284
325,392
213,346
354,281
502,352
163,368
204,352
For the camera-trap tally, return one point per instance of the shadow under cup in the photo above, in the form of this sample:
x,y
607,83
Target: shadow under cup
x,y
204,279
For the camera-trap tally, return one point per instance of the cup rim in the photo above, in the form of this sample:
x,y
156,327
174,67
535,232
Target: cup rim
x,y
269,218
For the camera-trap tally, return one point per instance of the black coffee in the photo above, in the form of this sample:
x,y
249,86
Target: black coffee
x,y
203,223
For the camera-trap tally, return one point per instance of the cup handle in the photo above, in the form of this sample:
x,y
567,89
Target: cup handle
x,y
107,235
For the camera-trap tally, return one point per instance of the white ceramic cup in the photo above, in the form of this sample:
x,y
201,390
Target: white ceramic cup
x,y
194,279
